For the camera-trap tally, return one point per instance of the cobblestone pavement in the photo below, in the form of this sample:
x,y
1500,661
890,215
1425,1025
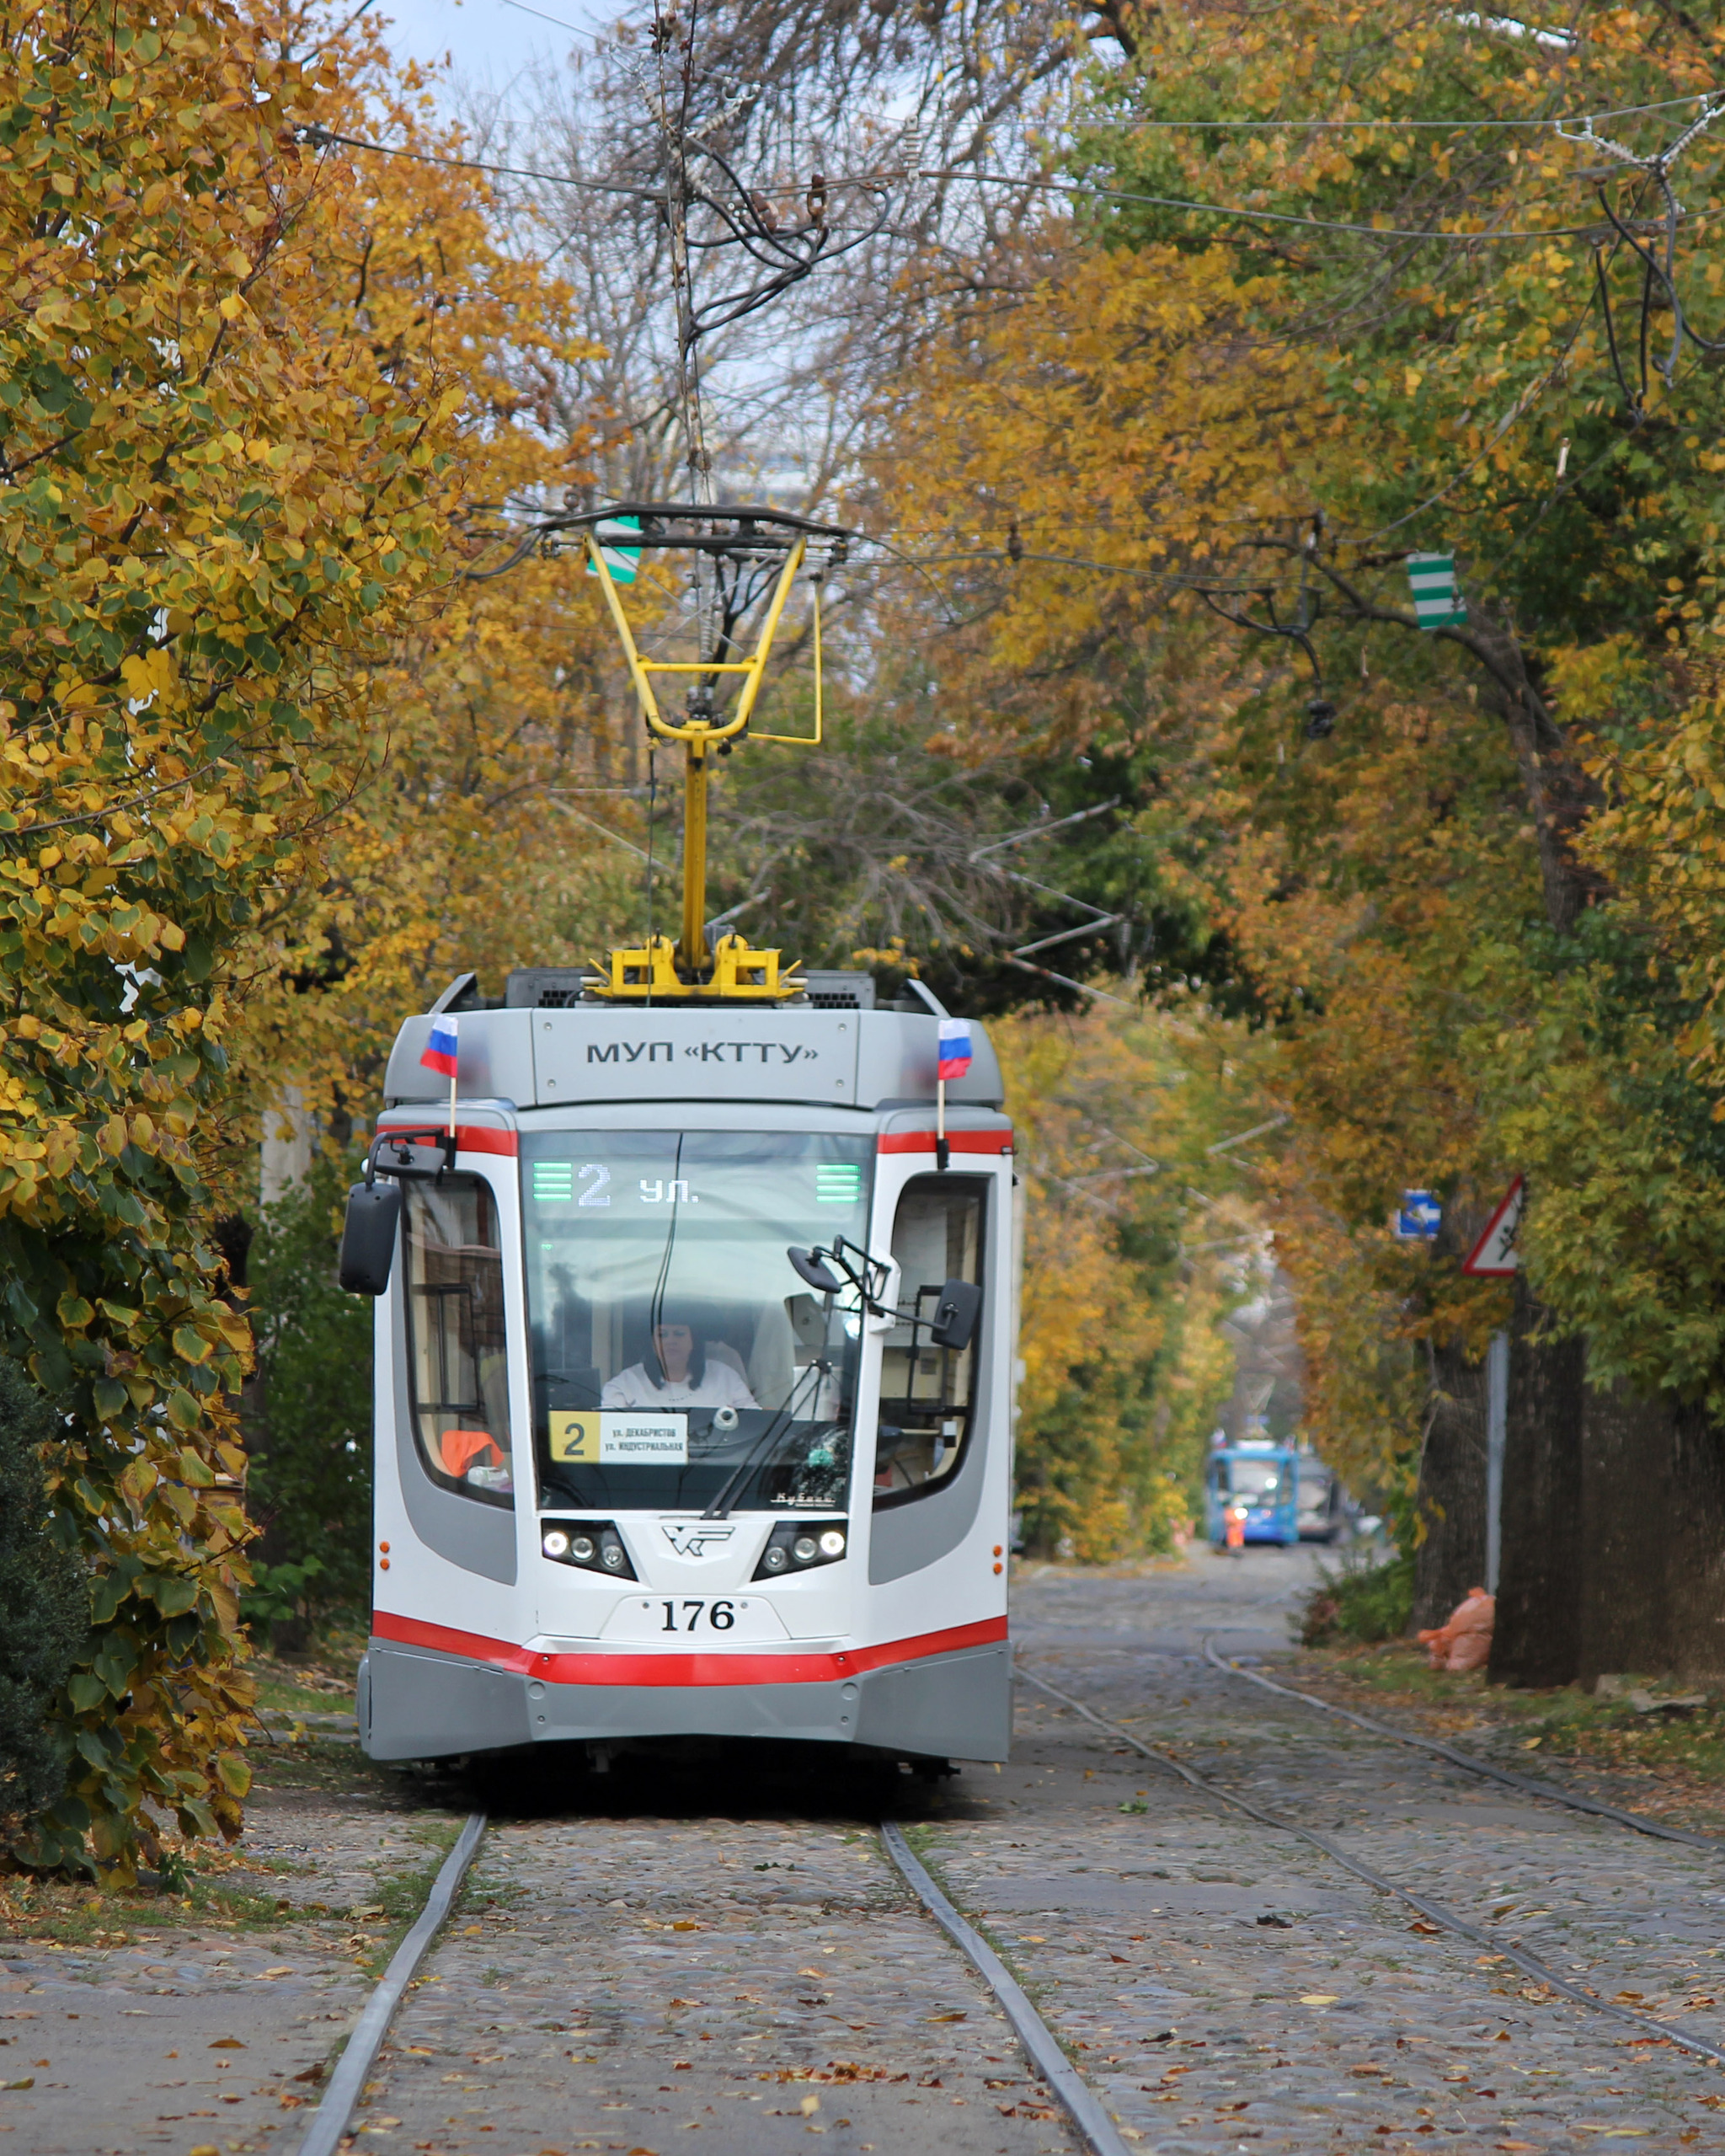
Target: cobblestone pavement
x,y
1227,1988
719,1949
752,1979
201,2037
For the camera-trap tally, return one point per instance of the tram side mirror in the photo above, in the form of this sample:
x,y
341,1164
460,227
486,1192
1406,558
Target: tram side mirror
x,y
955,1314
368,1237
808,1267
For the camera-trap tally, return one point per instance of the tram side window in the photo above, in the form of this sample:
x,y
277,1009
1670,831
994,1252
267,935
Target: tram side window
x,y
456,1368
928,1394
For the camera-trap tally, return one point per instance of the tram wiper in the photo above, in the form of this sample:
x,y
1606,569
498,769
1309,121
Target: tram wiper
x,y
720,1508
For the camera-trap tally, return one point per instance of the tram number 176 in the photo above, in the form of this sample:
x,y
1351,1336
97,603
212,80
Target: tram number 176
x,y
718,1616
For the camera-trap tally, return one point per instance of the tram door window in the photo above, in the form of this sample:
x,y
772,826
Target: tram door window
x,y
456,1368
927,1393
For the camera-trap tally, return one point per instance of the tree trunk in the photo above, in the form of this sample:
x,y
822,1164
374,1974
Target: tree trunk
x,y
1695,1544
1451,1500
1537,1640
1628,1447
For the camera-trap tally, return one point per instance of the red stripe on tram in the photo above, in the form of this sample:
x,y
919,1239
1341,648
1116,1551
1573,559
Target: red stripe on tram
x,y
476,1137
469,1138
614,1668
957,1141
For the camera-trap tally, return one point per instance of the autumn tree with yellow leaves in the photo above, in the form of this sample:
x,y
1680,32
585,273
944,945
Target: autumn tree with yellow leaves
x,y
1337,288
229,490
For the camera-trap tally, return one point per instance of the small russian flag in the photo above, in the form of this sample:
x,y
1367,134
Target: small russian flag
x,y
441,1050
954,1050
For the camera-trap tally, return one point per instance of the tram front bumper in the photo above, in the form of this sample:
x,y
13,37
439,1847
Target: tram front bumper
x,y
415,1703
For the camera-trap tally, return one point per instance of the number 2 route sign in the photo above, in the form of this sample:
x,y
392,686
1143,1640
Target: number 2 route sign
x,y
1497,1255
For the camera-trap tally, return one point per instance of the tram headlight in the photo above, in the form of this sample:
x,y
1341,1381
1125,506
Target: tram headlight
x,y
803,1546
590,1545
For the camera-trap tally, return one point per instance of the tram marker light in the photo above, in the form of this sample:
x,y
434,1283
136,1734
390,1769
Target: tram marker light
x,y
592,1545
803,1546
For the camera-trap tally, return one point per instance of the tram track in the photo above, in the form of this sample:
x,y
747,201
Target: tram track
x,y
1548,1792
1099,2133
751,1966
1433,1912
331,2125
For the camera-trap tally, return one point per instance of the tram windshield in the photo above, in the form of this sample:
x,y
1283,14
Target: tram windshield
x,y
678,1359
1262,1479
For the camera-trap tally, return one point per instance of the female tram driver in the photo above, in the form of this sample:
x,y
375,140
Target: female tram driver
x,y
677,1373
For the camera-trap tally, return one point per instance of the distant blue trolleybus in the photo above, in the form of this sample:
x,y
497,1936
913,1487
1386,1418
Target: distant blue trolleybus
x,y
1262,1480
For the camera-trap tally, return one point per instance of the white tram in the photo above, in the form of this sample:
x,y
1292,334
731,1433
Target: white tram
x,y
694,1366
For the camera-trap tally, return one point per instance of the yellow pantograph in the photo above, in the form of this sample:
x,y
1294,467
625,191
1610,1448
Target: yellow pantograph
x,y
734,970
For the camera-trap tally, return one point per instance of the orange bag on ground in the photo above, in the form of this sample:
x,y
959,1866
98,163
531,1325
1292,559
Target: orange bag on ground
x,y
1465,1642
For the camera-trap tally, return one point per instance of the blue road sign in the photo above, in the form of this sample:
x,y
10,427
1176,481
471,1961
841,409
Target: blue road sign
x,y
1419,1216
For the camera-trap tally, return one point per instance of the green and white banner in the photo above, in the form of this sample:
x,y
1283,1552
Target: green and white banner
x,y
1431,577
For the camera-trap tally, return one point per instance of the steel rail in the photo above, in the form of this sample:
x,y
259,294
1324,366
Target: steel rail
x,y
330,2121
1433,1912
1085,2112
1547,1790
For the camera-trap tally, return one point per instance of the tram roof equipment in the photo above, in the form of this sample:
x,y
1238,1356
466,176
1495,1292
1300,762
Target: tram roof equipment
x,y
743,555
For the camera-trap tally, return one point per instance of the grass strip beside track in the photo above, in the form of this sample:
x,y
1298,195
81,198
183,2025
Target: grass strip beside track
x,y
1547,1790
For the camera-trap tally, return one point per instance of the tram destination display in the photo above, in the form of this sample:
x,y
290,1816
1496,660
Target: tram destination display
x,y
601,1437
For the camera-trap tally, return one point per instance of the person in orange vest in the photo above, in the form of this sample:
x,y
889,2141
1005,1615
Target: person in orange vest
x,y
1234,1527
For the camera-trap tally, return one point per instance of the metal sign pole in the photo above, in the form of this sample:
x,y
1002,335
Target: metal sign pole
x,y
1496,1433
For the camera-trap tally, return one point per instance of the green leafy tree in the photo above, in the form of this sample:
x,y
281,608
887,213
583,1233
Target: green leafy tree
x,y
310,1434
45,1605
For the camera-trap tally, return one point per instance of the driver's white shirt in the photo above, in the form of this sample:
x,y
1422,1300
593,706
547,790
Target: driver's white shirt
x,y
719,1387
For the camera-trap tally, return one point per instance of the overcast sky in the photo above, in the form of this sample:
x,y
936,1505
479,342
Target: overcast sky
x,y
487,41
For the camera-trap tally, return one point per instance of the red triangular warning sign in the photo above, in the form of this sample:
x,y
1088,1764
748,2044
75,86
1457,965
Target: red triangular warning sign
x,y
1496,1253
